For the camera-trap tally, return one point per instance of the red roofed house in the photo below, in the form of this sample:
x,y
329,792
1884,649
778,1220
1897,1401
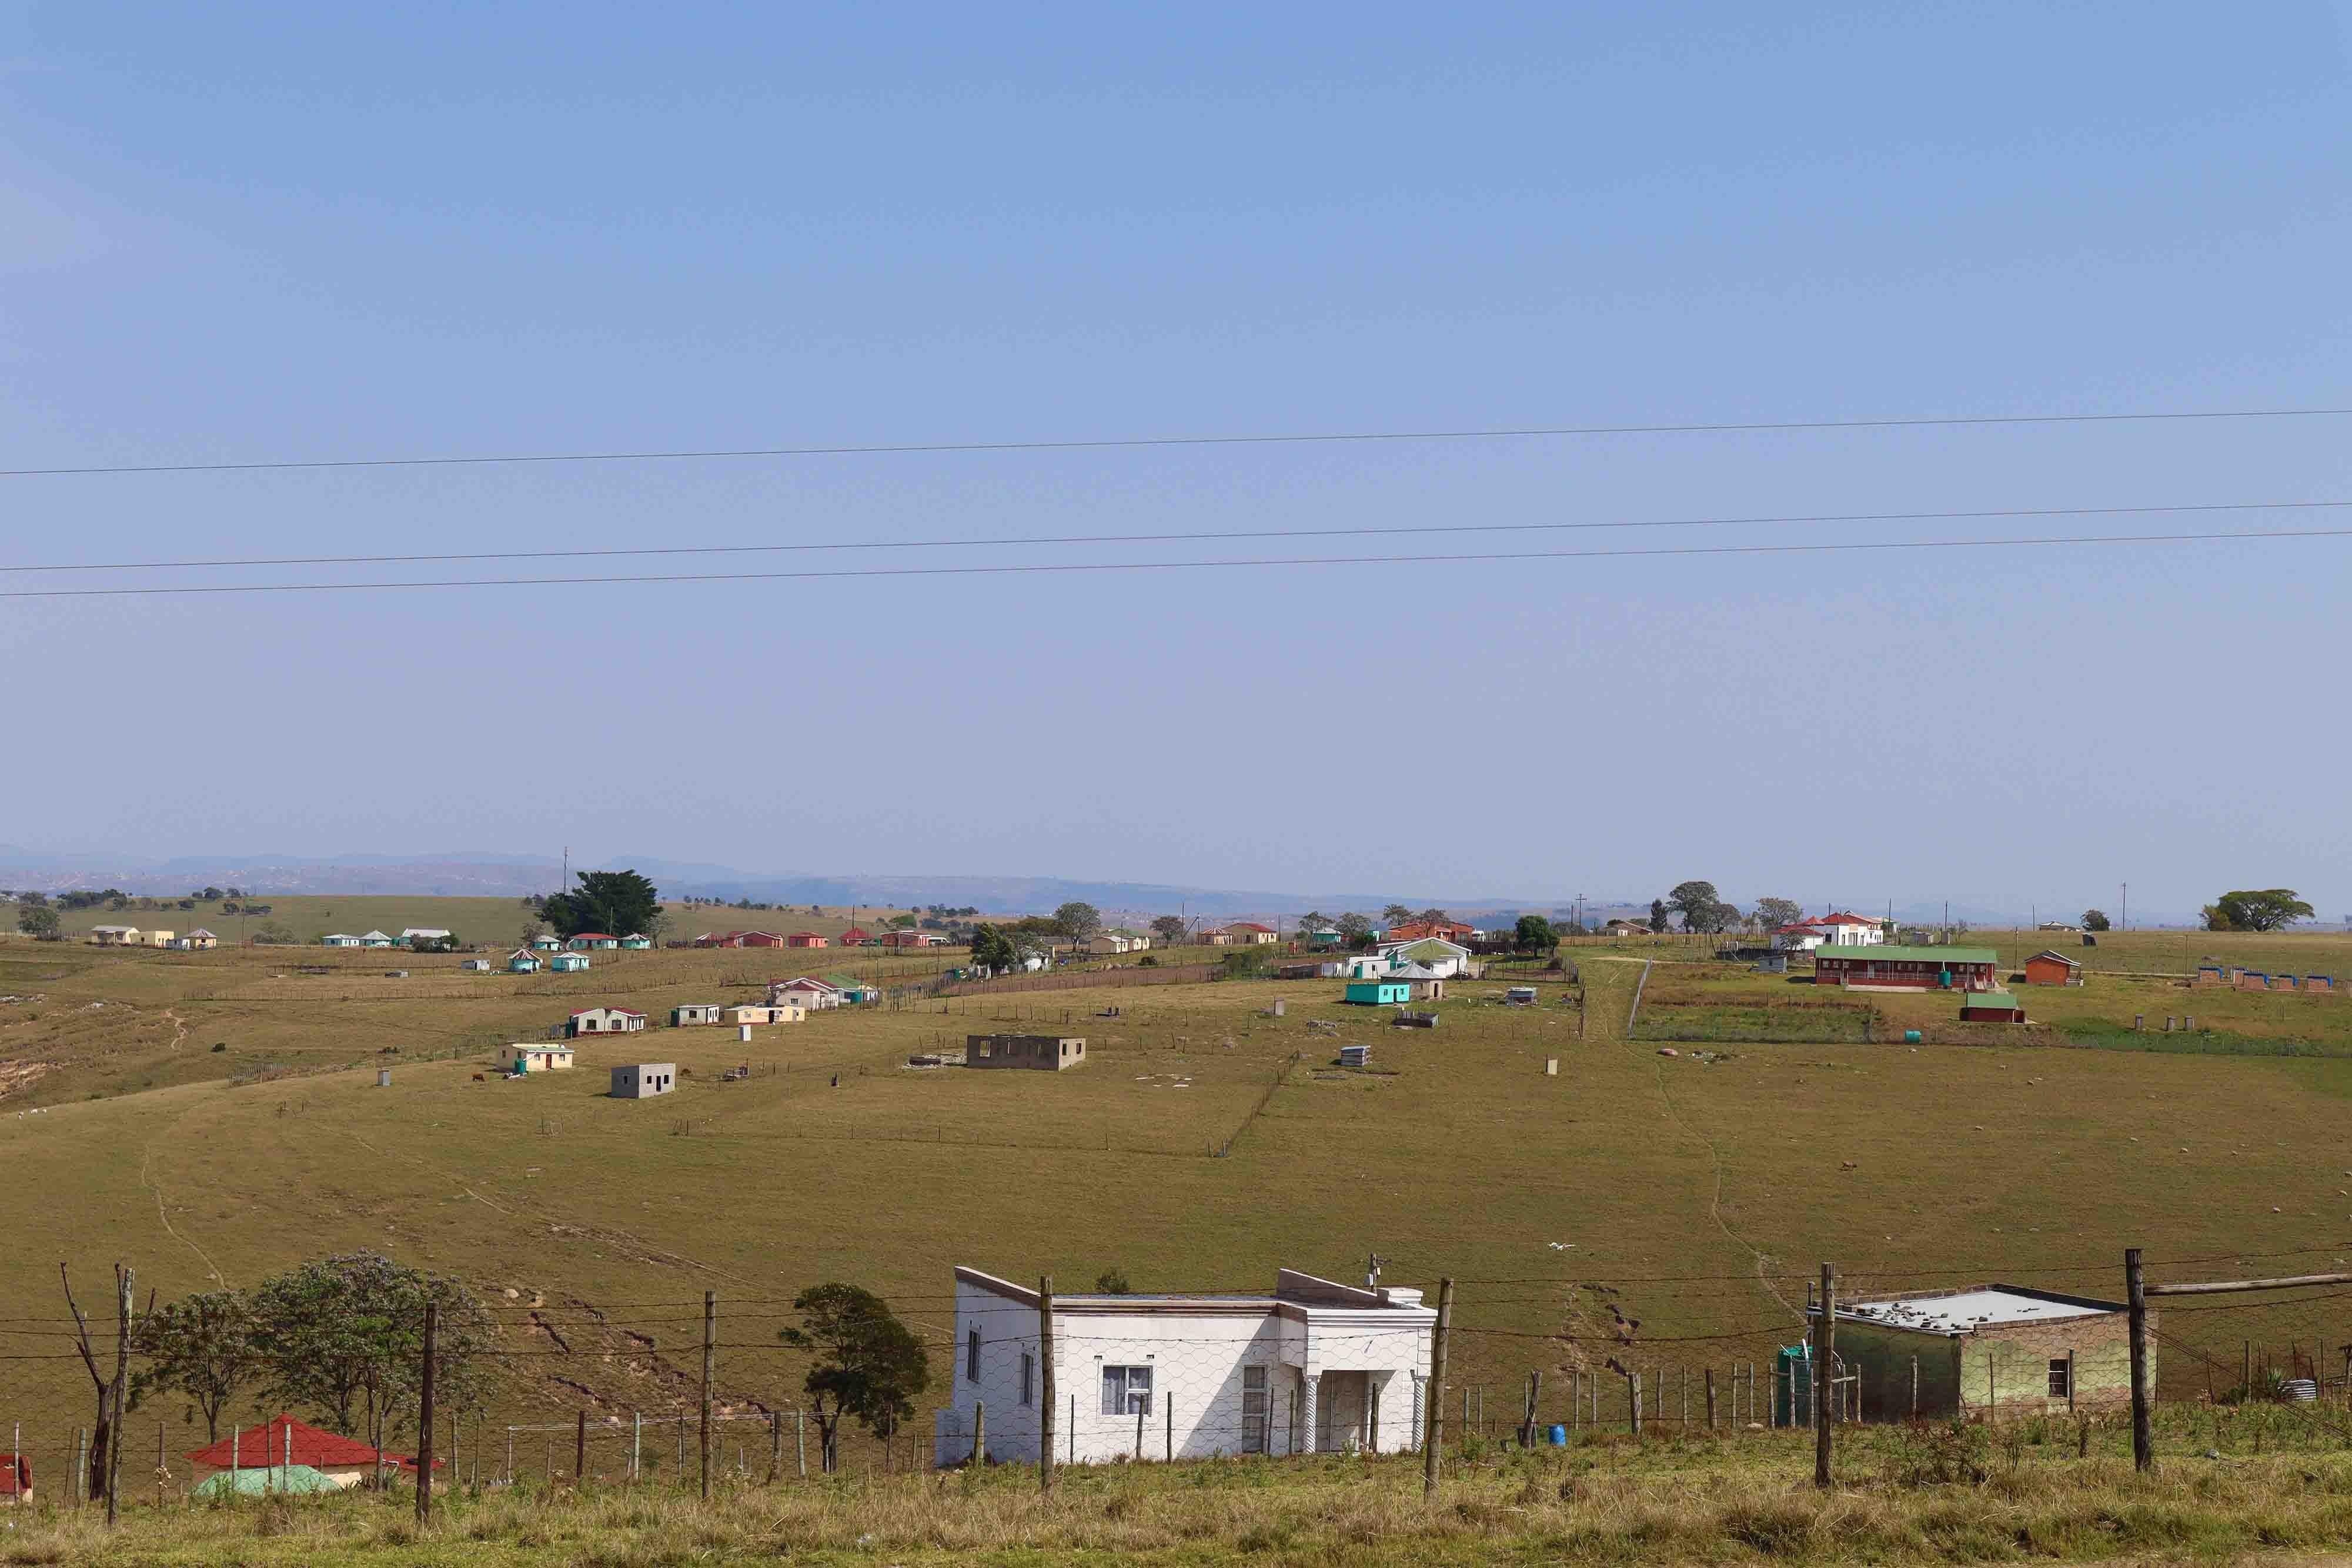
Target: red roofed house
x,y
283,1440
1422,930
1243,934
810,993
909,939
806,939
857,937
1829,931
739,939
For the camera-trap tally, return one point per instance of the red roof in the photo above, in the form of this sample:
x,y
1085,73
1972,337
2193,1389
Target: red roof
x,y
592,936
283,1440
1248,925
856,934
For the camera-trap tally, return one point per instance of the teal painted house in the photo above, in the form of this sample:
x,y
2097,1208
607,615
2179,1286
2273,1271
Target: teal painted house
x,y
1325,938
1379,993
522,961
637,943
547,942
565,963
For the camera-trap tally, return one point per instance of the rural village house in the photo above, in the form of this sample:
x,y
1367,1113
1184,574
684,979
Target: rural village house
x,y
686,1014
284,1441
636,942
201,940
764,1013
807,990
339,939
1829,931
568,963
542,1057
1992,1352
548,941
806,939
522,961
1037,1053
604,1020
1314,1366
375,939
411,935
114,936
2050,968
644,1080
1115,941
1887,968
592,942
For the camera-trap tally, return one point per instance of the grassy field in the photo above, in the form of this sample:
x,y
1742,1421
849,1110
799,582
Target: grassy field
x,y
1903,1496
1703,1189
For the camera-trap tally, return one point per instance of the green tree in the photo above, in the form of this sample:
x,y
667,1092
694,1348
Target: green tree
x,y
618,903
343,1336
2095,920
993,950
1243,962
2263,909
1699,907
1658,917
199,1347
1169,929
869,1366
1355,930
38,921
1395,914
1534,933
1433,917
1076,921
211,895
1772,914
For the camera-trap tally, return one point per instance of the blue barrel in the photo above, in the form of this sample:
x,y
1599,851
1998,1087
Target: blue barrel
x,y
1558,1436
1910,1037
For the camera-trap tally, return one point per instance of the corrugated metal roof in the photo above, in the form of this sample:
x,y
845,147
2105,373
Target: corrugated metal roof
x,y
1992,1306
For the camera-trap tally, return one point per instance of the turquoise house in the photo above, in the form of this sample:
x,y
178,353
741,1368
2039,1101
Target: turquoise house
x,y
853,989
522,961
637,943
1323,939
565,963
547,942
1379,993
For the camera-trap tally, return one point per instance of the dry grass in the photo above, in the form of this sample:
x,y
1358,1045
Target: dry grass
x,y
1691,1503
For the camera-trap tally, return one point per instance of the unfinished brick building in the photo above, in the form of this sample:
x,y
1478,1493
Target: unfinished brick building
x,y
1989,1353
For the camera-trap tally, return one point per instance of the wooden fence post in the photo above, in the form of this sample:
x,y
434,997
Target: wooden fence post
x,y
1434,1427
425,1417
1710,1399
2135,1299
1826,1352
1046,1382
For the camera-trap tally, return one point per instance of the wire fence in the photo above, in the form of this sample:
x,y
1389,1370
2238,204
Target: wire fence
x,y
616,1394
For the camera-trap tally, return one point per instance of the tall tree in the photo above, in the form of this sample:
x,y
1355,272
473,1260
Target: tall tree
x,y
2095,920
1696,903
2256,909
1774,913
1169,929
1658,920
1077,921
618,903
1395,914
869,1366
342,1336
993,950
199,1347
1433,917
1354,929
38,921
1534,933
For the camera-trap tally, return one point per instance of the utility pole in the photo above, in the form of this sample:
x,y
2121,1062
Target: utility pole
x,y
2127,908
1824,1384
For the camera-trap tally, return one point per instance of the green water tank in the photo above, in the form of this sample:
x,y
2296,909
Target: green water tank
x,y
1910,1037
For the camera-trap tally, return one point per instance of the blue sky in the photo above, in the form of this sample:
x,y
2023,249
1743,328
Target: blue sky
x,y
283,232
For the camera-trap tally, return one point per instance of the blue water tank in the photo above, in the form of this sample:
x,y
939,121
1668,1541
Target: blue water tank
x,y
1558,1436
1911,1037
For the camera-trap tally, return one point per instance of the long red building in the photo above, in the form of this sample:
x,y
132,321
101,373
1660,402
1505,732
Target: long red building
x,y
1885,967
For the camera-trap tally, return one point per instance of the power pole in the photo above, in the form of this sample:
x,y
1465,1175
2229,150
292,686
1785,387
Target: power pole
x,y
1434,1427
1824,1384
2127,908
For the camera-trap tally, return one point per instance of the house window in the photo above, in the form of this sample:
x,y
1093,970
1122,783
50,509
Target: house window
x,y
1127,1390
2062,1378
971,1356
1028,1372
1254,1409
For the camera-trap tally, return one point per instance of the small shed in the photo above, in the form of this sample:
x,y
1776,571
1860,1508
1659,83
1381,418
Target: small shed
x,y
686,1014
1037,1053
476,965
1990,1352
200,939
1990,1006
1379,993
537,1058
2048,968
644,1080
522,961
568,963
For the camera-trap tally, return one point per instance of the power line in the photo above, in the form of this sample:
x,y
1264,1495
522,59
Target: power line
x,y
1130,442
1195,538
1033,568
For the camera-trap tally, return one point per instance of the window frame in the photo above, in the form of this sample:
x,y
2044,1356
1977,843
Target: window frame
x,y
971,1356
2062,1378
1257,1426
1135,1385
1028,1379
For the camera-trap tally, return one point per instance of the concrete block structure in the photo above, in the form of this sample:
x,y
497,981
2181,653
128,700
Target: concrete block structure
x,y
1313,1367
1989,1353
644,1080
1037,1052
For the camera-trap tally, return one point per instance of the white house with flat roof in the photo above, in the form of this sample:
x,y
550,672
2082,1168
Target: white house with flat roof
x,y
1313,1367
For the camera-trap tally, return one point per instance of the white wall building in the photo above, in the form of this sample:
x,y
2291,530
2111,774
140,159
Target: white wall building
x,y
1314,1366
1829,931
